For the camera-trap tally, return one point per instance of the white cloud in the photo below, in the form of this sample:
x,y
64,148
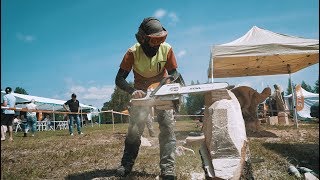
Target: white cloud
x,y
160,13
181,53
93,95
25,38
87,93
172,16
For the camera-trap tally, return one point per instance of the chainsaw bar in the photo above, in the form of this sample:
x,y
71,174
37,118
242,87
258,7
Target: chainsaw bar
x,y
176,88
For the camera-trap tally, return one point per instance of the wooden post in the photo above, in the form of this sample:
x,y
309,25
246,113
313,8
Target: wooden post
x,y
54,119
112,120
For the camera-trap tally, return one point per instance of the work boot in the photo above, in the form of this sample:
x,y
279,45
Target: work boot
x,y
123,171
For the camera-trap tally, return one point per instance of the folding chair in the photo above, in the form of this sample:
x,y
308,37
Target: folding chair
x,y
17,127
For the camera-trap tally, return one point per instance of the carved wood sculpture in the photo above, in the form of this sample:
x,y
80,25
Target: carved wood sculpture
x,y
249,100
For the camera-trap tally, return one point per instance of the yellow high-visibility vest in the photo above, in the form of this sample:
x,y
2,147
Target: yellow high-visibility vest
x,y
146,66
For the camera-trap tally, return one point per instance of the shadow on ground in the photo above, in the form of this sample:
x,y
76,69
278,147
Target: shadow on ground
x,y
303,155
108,174
261,134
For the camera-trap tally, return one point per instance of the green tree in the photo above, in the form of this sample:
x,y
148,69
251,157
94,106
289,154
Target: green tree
x,y
119,101
289,89
316,87
20,90
194,103
306,86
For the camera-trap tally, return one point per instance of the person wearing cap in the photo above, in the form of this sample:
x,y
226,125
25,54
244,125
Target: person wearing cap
x,y
9,101
31,118
151,59
74,108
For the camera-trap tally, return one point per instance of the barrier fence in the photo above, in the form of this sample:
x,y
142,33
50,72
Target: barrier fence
x,y
63,123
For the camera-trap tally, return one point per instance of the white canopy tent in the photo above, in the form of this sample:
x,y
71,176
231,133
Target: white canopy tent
x,y
261,52
309,100
43,103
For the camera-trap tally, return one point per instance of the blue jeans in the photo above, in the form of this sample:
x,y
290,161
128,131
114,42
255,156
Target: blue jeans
x,y
71,118
32,123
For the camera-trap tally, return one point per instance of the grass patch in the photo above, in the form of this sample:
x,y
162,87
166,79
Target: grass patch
x,y
97,153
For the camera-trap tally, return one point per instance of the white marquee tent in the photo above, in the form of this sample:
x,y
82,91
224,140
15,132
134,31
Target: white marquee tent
x,y
309,100
262,52
43,103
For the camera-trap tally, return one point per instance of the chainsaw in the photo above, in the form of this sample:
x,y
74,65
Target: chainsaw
x,y
166,96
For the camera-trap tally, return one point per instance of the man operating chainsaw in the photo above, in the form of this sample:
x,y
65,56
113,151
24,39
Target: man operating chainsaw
x,y
151,59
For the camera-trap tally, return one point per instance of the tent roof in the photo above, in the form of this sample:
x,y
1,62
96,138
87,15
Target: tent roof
x,y
262,52
306,94
42,102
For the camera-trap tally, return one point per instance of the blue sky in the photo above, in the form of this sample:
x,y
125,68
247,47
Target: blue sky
x,y
54,48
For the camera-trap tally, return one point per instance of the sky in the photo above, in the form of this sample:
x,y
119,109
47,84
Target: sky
x,y
55,48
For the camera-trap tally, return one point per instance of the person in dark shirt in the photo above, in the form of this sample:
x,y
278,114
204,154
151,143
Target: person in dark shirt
x,y
74,108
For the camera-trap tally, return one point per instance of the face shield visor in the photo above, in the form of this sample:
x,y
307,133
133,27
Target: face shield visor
x,y
156,39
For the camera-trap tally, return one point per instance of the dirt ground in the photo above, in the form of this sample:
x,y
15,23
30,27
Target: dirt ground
x,y
96,154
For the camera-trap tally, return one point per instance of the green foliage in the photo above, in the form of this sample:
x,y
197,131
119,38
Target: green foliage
x,y
119,101
289,89
20,90
306,86
316,87
194,101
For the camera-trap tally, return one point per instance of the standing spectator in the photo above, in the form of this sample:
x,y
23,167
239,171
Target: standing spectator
x,y
9,101
74,107
31,117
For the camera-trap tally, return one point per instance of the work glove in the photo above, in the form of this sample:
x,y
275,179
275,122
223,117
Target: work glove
x,y
138,94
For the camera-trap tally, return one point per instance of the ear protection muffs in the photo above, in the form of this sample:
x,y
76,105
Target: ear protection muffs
x,y
141,35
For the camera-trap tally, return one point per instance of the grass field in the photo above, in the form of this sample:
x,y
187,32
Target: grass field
x,y
96,154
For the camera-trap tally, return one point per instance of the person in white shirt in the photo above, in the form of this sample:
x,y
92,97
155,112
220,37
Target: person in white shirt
x,y
9,101
31,117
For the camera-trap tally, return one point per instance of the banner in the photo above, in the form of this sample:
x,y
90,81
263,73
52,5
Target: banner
x,y
299,98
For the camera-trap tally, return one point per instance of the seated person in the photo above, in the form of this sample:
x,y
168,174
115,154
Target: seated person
x,y
17,120
49,121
